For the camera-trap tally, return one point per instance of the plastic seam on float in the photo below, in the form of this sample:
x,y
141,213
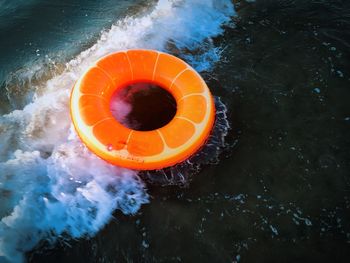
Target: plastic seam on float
x,y
127,141
106,73
124,150
193,94
186,119
94,95
100,121
155,66
132,72
178,75
166,146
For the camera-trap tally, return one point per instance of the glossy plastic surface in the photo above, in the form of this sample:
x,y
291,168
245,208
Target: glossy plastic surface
x,y
142,150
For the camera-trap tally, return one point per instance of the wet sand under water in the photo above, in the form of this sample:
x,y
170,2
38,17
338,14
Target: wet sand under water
x,y
281,193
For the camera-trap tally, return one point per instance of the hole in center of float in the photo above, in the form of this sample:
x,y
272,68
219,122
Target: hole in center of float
x,y
143,106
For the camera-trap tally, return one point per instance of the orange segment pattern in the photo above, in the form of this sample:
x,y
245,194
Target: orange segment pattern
x,y
145,143
142,64
142,150
167,68
187,83
192,107
111,134
95,82
117,67
177,132
92,109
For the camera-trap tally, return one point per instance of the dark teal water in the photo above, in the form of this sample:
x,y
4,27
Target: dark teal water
x,y
280,191
33,29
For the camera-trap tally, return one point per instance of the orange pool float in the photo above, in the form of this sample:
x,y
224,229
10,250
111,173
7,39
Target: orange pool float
x,y
142,150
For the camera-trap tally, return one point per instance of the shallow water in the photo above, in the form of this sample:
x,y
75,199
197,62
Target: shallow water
x,y
279,191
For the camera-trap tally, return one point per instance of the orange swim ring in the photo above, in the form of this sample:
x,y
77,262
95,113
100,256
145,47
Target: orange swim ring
x,y
142,150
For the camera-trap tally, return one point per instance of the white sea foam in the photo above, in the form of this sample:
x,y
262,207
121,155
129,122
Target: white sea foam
x,y
50,184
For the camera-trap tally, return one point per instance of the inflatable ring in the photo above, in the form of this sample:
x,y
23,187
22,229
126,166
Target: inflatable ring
x,y
142,150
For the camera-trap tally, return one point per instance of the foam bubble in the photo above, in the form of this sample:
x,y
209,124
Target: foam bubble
x,y
51,185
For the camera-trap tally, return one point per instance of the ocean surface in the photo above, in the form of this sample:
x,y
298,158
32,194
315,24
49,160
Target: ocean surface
x,y
272,184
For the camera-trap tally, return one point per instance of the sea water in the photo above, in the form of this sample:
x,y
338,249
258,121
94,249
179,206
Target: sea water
x,y
272,183
51,186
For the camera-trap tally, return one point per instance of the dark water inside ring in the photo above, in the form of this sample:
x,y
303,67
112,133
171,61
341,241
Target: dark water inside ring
x,y
150,106
282,194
